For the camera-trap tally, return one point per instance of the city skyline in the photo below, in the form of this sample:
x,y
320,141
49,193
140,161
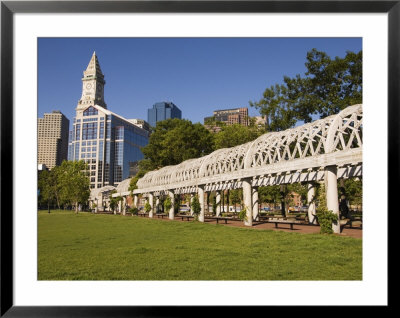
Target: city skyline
x,y
198,74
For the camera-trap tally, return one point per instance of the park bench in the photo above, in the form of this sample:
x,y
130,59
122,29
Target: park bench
x,y
225,218
188,217
343,223
355,222
349,222
161,214
290,222
268,217
142,214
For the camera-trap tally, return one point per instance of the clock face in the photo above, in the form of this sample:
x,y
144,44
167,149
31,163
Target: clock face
x,y
99,87
88,86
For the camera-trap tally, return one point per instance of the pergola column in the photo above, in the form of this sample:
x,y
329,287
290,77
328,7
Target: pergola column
x,y
332,194
120,206
100,203
172,209
202,203
255,203
247,198
191,205
206,203
311,203
157,204
135,201
124,205
282,192
151,200
218,202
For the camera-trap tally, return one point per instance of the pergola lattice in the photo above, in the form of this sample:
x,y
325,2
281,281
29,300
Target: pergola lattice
x,y
324,150
295,155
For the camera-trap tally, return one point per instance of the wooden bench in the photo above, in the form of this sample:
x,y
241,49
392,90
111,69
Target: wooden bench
x,y
185,216
358,222
161,214
225,218
343,223
284,222
349,222
268,217
142,214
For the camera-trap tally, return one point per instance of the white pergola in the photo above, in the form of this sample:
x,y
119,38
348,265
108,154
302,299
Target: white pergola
x,y
100,196
323,150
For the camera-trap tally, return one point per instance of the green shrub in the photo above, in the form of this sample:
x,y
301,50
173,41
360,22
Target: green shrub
x,y
196,207
167,204
147,207
133,210
325,217
214,206
243,215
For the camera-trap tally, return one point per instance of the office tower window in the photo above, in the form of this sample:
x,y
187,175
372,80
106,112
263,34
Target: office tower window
x,y
91,111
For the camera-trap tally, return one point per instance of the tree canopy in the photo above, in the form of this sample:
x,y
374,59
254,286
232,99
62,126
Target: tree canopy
x,y
74,182
328,86
173,141
65,184
276,109
234,135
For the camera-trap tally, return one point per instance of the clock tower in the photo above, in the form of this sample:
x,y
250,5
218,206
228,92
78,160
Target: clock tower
x,y
92,85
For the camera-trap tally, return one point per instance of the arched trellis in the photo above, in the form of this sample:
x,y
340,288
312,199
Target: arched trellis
x,y
303,150
326,149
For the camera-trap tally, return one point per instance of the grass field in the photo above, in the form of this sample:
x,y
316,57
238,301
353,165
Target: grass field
x,y
113,247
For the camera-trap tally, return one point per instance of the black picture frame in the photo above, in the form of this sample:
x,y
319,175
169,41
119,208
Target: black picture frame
x,y
8,8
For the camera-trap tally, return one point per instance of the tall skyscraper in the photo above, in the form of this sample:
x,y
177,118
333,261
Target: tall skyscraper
x,y
162,111
52,139
109,143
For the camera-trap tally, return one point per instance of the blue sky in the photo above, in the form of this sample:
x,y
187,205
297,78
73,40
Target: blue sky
x,y
198,75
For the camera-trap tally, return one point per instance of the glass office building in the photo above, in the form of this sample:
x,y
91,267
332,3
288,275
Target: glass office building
x,y
107,142
162,111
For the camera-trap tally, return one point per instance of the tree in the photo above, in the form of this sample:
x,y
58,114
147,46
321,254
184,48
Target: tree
x,y
329,85
233,135
114,201
46,187
236,197
269,194
175,140
50,186
276,108
214,205
147,207
167,204
300,189
196,206
74,183
352,190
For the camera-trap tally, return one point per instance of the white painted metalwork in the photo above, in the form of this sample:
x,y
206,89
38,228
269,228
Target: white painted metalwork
x,y
298,154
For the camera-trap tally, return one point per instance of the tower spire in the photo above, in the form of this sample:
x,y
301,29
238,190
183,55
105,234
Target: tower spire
x,y
93,85
93,67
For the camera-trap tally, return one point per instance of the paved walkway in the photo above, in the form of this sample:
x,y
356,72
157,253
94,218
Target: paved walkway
x,y
297,228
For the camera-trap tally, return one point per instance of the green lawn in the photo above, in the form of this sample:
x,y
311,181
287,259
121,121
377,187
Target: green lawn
x,y
113,247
